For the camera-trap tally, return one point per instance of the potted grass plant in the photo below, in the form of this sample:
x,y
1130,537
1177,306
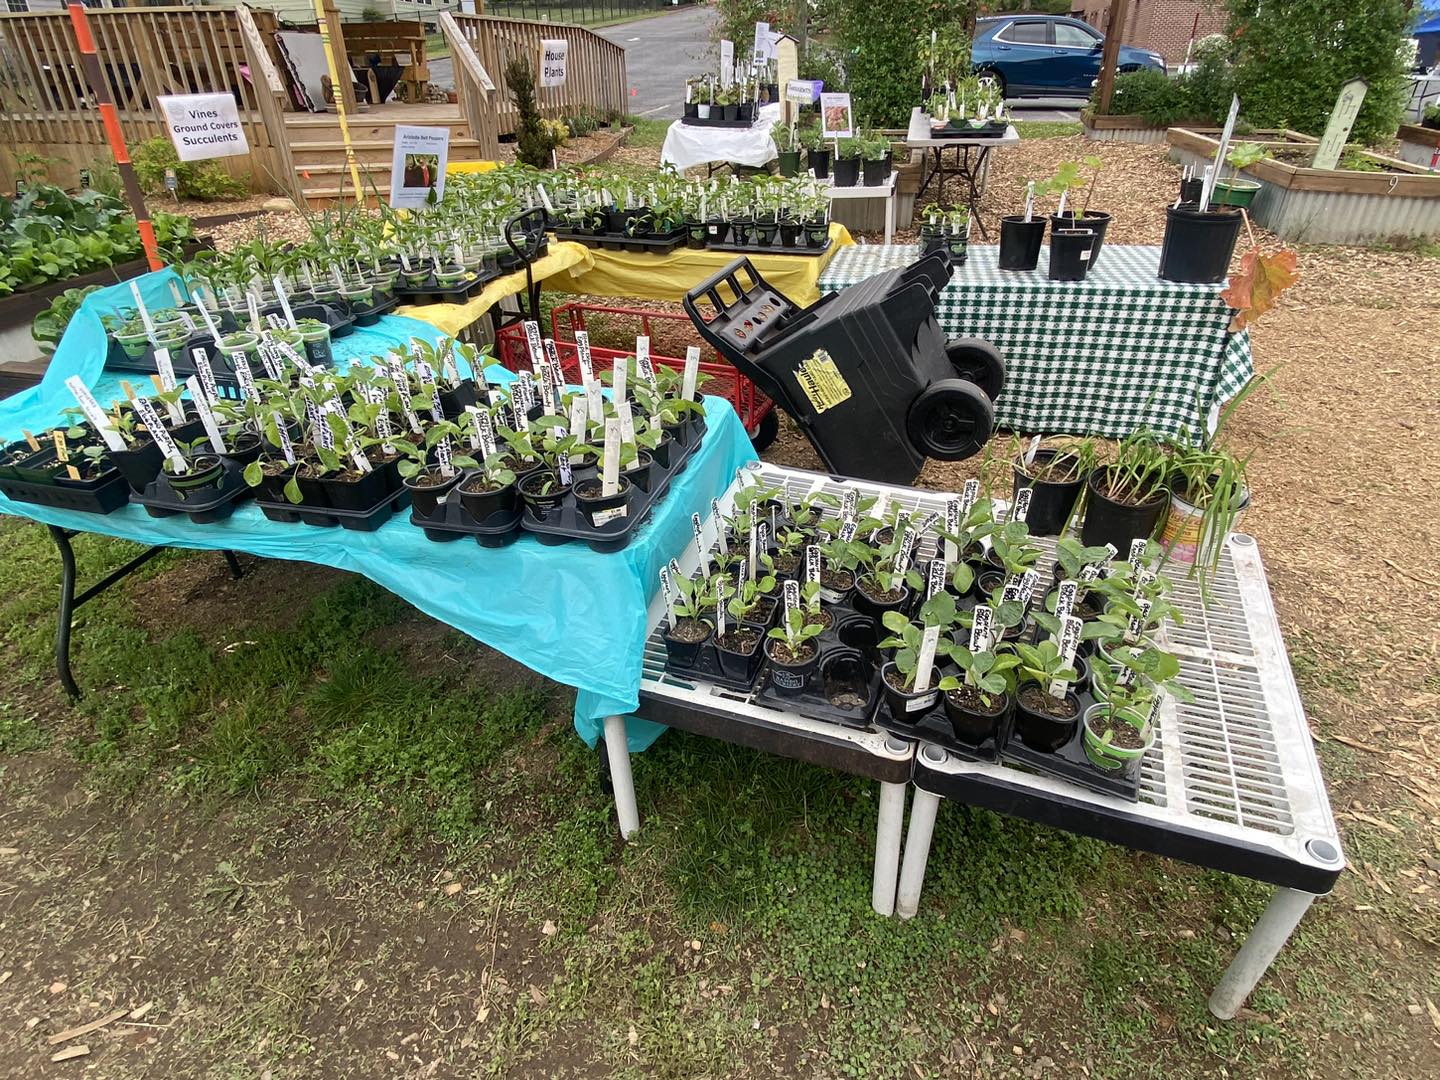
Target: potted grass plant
x,y
1055,474
1126,499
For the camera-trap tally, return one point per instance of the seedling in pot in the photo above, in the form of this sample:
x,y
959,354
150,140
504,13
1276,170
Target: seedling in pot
x,y
695,596
748,594
1039,667
909,639
795,637
984,677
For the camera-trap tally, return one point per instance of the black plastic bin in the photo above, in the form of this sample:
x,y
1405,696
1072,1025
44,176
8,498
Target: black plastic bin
x,y
866,372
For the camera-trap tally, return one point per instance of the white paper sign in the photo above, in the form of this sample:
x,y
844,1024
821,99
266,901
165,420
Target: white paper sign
x,y
204,125
836,118
553,61
417,166
800,91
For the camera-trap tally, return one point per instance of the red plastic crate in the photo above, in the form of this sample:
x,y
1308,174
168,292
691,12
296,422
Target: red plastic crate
x,y
753,407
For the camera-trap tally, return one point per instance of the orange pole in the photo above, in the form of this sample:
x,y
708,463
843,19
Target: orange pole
x,y
90,62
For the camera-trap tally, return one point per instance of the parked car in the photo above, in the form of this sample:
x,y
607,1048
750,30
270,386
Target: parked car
x,y
1047,55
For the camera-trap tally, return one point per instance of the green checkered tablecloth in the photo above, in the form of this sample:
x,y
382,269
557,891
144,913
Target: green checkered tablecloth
x,y
1118,351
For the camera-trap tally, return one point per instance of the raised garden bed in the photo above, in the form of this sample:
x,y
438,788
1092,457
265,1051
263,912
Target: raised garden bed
x,y
1128,129
1384,198
1418,144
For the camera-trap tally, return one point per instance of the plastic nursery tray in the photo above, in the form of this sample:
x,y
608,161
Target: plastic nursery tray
x,y
432,292
863,681
202,507
984,131
933,725
101,495
707,668
566,522
1070,763
369,316
451,522
328,516
776,248
655,245
696,121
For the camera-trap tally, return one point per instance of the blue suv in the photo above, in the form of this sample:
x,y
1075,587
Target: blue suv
x,y
1047,55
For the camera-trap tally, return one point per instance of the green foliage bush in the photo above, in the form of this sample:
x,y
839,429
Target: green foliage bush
x,y
1202,94
203,180
533,141
881,39
1293,57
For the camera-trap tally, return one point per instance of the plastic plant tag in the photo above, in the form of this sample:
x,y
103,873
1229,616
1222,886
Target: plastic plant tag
x,y
792,599
273,371
968,496
207,319
610,472
719,527
1068,642
847,531
1143,581
284,300
949,553
382,428
243,376
618,385
207,417
720,621
474,436
143,311
595,401
668,590
206,374
935,580
486,429
754,543
532,344
97,416
1153,716
579,417
982,629
812,564
1027,586
254,307
582,354
849,503
547,393
700,548
1138,547
562,466
907,551
62,449
1065,599
627,422
1021,510
401,379
925,660
692,373
878,512
1010,593
1136,622
443,457
165,368
285,447
162,438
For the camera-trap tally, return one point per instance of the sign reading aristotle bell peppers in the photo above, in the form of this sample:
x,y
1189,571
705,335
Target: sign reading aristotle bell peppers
x,y
204,126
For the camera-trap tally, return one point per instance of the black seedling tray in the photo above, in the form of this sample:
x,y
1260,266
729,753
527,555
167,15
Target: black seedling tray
x,y
707,669
451,522
655,245
329,516
566,522
105,493
371,315
695,121
432,292
772,249
934,726
203,507
1070,763
37,467
985,131
813,702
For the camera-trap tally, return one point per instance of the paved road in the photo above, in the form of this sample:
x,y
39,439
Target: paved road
x,y
660,54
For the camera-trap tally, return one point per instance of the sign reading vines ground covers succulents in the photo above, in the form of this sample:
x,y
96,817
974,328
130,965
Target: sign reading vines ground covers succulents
x,y
1119,351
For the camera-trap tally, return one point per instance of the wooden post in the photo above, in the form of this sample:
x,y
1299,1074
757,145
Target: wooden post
x,y
269,94
332,36
1114,30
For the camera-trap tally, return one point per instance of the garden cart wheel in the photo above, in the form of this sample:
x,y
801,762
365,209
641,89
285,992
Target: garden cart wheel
x,y
950,420
767,431
978,361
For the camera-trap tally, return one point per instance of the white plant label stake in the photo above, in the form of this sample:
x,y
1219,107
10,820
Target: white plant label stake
x,y
284,300
720,608
1138,547
285,447
692,373
700,548
562,466
849,503
210,327
207,375
1065,600
579,426
935,580
532,344
1153,717
968,496
166,371
442,454
792,600
1070,628
244,376
719,527
162,437
582,353
754,542
627,422
485,429
1021,509
667,589
1027,586
143,311
595,401
812,564
949,553
97,416
610,474
982,628
1137,622
924,665
207,417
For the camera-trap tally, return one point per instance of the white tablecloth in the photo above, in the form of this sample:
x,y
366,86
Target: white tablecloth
x,y
688,145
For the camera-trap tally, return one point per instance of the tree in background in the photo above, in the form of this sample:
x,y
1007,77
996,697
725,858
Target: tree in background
x,y
881,40
533,140
1292,57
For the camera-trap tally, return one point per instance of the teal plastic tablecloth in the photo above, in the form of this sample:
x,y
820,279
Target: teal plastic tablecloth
x,y
573,615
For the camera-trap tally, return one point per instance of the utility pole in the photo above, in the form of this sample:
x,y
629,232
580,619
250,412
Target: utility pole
x,y
1114,29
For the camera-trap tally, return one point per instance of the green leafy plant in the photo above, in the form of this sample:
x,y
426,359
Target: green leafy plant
x,y
795,630
906,637
984,673
202,180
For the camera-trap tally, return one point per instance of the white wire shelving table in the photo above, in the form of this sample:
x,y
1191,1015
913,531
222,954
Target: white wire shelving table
x,y
1231,783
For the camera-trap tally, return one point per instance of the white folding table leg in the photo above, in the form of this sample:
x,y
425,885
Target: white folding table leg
x,y
923,809
1279,919
618,751
890,213
891,819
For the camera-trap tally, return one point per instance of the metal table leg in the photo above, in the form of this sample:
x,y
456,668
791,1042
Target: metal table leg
x,y
1274,927
889,821
617,751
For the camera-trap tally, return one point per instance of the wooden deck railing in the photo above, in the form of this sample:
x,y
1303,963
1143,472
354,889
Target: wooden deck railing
x,y
595,77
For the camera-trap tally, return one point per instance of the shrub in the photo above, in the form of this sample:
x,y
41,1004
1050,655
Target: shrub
x,y
533,140
1292,59
1203,94
203,180
1150,94
882,39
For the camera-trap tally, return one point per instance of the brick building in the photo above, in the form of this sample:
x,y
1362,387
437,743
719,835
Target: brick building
x,y
1164,26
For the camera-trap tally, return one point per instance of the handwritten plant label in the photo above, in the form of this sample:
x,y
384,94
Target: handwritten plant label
x,y
1010,593
205,316
207,375
1153,717
1069,641
165,368
700,547
522,398
271,363
643,363
443,457
627,422
949,553
618,385
552,365
284,436
849,503
812,564
1136,622
562,465
547,394
878,512
254,307
925,665
762,537
401,378
484,428
692,373
968,496
792,599
1065,598
1145,579
595,402
719,527
1021,510
579,411
284,300
144,312
668,589
162,438
907,551
720,608
532,343
97,416
935,579
982,629
610,473
1138,547
1027,586
582,353
207,416
847,531
243,376
754,541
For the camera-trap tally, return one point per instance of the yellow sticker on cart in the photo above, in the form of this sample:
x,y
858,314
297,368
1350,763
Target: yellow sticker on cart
x,y
820,380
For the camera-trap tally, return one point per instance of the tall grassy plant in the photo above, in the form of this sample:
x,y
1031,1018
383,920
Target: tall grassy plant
x,y
1293,57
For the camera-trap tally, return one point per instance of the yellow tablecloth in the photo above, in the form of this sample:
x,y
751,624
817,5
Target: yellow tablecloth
x,y
452,318
646,276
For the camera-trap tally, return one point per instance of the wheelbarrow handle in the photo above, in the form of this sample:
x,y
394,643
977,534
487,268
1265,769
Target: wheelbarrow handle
x,y
710,287
531,227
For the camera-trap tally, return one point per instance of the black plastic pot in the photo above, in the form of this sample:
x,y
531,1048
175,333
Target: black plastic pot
x,y
847,172
1040,731
425,498
593,507
481,505
272,488
789,233
362,493
818,161
1050,502
453,402
694,234
716,230
789,680
741,667
1070,253
542,505
692,110
1110,522
1191,190
205,472
906,708
1097,221
974,726
1020,242
1197,247
765,233
875,609
816,234
728,113
684,654
639,473
244,447
877,172
789,162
